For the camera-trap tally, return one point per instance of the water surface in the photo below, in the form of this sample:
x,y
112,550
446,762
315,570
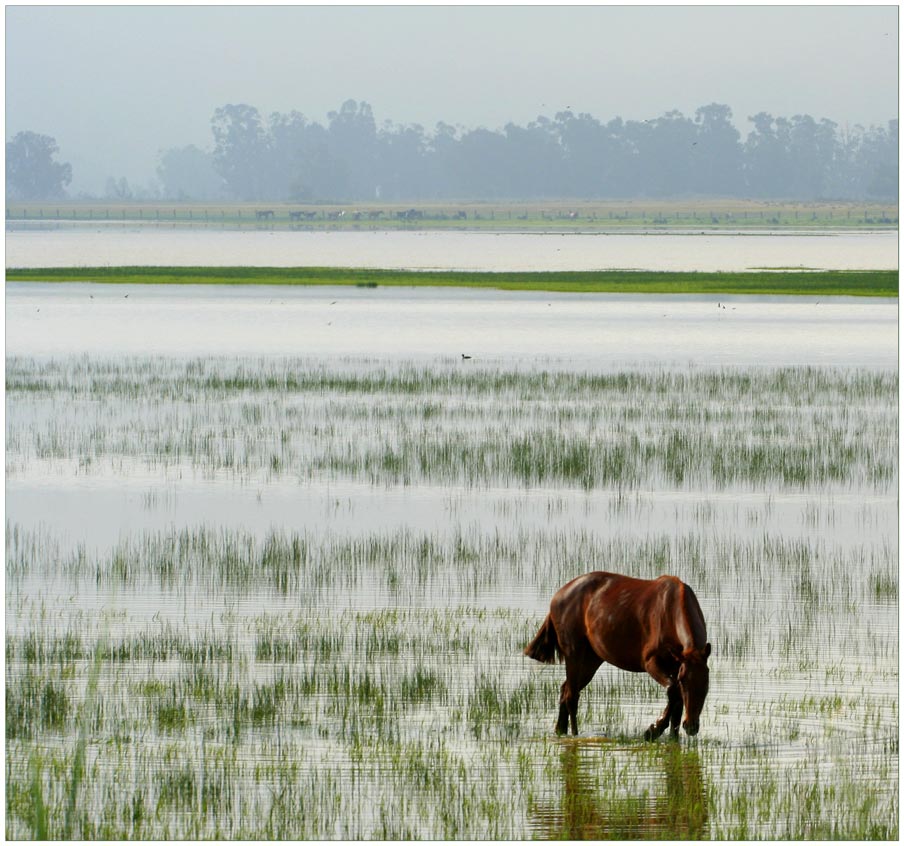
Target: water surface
x,y
115,245
516,329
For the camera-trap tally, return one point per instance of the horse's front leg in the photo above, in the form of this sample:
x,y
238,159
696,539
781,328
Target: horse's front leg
x,y
676,704
674,707
671,714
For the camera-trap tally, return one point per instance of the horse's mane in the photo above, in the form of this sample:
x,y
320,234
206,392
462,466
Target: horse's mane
x,y
693,614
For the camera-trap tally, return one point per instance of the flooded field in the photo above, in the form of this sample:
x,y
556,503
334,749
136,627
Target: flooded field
x,y
113,244
517,330
285,595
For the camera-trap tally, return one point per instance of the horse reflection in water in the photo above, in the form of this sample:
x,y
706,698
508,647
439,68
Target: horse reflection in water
x,y
640,625
589,810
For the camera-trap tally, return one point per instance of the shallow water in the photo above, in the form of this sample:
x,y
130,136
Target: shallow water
x,y
314,623
114,245
512,329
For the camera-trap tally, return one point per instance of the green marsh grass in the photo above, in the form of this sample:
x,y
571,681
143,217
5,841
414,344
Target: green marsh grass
x,y
870,283
792,427
363,679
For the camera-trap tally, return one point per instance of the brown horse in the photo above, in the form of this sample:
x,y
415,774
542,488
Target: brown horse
x,y
640,625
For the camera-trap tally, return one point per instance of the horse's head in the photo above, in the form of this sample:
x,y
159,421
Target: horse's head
x,y
693,682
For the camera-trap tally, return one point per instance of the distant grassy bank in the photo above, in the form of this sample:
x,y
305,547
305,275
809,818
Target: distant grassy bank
x,y
683,214
868,283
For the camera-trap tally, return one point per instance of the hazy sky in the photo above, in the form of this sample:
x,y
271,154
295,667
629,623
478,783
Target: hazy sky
x,y
116,84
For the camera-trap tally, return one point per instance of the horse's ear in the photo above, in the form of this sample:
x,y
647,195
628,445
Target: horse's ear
x,y
706,650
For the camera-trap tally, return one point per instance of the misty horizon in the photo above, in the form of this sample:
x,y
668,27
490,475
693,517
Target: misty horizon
x,y
148,183
117,86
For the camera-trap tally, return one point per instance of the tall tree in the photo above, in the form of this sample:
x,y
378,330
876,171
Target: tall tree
x,y
241,150
589,155
484,164
401,166
31,172
810,152
879,158
353,142
535,162
663,152
718,157
289,157
766,164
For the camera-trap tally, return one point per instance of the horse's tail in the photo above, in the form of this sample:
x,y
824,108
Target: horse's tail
x,y
545,646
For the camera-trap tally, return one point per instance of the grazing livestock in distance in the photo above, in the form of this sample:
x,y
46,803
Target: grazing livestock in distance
x,y
264,213
640,625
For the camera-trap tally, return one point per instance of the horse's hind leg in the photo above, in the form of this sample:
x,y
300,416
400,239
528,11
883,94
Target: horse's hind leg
x,y
578,673
564,699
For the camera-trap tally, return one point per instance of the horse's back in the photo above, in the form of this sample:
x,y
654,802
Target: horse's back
x,y
567,609
570,607
617,616
597,586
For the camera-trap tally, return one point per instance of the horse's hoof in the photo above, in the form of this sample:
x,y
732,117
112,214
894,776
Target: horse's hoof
x,y
650,733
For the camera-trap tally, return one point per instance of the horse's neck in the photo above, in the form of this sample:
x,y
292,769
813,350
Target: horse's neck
x,y
689,623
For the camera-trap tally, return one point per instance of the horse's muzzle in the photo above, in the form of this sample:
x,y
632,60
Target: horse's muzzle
x,y
691,728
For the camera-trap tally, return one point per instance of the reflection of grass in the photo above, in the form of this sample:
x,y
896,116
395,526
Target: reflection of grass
x,y
882,283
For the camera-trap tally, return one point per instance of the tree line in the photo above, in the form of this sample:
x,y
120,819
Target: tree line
x,y
287,157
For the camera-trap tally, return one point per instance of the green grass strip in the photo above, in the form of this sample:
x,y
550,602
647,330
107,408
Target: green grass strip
x,y
869,283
